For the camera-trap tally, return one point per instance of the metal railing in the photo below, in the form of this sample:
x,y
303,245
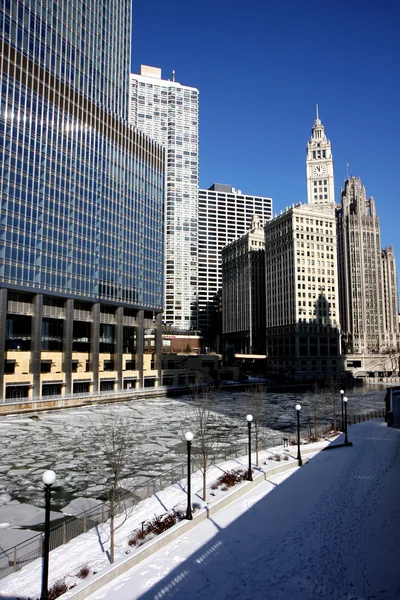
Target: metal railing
x,y
362,417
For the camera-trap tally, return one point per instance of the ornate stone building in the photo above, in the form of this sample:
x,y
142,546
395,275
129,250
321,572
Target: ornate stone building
x,y
302,311
367,276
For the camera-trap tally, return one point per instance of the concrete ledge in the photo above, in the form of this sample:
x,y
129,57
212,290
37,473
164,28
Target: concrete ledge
x,y
113,571
40,405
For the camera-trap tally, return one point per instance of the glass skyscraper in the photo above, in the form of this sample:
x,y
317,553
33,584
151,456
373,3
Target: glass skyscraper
x,y
82,197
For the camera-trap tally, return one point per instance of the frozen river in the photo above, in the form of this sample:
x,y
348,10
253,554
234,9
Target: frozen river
x,y
32,443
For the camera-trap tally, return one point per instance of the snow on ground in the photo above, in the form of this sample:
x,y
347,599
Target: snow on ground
x,y
330,531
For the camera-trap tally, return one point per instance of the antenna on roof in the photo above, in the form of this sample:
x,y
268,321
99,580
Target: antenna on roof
x,y
317,110
173,75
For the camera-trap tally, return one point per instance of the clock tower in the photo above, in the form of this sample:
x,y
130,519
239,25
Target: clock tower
x,y
319,165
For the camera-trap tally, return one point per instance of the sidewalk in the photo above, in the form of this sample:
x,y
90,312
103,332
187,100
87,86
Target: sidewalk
x,y
329,531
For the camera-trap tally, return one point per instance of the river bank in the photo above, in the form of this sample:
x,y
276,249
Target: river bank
x,y
58,440
303,524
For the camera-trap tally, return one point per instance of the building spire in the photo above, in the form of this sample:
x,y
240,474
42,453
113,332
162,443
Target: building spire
x,y
319,165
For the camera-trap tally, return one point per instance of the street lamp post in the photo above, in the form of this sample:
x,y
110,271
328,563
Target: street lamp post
x,y
48,479
346,441
189,438
298,409
249,419
341,402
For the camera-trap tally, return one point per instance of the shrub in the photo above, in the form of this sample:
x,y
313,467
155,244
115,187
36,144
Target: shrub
x,y
83,572
277,457
229,479
161,523
137,538
286,457
158,525
59,588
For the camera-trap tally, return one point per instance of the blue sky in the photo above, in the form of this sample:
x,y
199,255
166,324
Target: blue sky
x,y
261,66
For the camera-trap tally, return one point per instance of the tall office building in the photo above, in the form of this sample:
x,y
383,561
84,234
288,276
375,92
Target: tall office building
x,y
168,112
390,299
243,291
302,310
82,198
302,319
368,281
225,214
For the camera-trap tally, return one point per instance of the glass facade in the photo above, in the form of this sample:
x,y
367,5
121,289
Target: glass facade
x,y
84,45
82,193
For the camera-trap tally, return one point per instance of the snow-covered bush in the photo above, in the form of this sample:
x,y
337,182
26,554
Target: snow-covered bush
x,y
229,479
59,588
158,525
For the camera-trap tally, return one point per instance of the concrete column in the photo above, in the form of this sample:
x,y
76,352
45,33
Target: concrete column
x,y
3,323
140,345
158,348
118,350
67,344
94,345
36,343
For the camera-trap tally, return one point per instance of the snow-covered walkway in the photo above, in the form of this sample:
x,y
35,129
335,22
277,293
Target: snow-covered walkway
x,y
329,531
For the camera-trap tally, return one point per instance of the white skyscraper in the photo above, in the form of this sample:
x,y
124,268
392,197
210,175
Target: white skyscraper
x,y
319,166
302,317
168,112
225,214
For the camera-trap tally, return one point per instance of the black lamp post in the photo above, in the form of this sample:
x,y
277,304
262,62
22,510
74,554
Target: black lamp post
x,y
341,402
189,438
249,419
48,479
298,409
346,441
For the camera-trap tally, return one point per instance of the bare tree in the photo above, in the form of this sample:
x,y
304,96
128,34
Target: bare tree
x,y
209,430
255,399
113,448
316,404
391,359
332,390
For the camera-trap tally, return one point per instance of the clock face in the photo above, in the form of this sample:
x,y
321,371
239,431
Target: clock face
x,y
319,170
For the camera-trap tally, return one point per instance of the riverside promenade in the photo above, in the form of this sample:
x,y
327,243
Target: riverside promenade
x,y
330,530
